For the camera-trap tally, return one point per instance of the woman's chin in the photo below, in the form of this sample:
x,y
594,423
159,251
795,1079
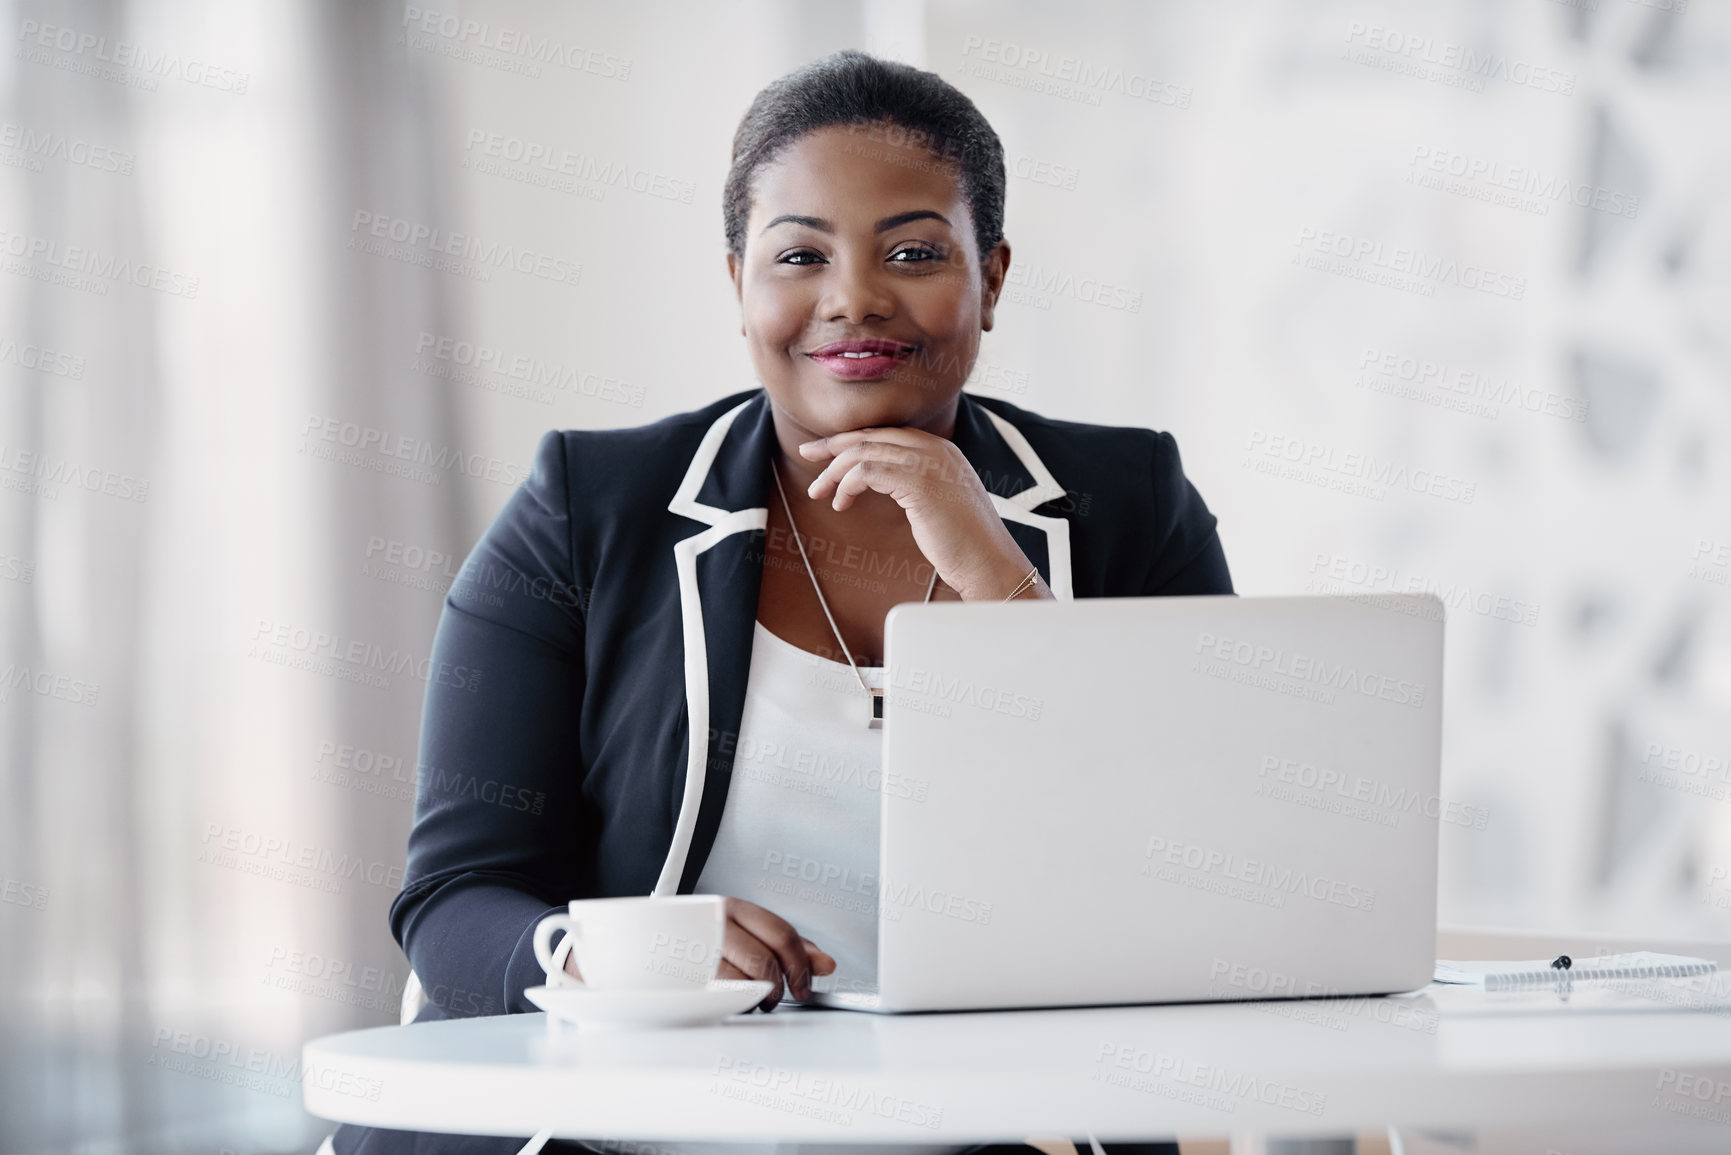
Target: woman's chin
x,y
837,406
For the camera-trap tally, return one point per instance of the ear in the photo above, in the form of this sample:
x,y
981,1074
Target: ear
x,y
993,269
736,274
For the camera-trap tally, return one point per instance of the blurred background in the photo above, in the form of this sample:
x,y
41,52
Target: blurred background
x,y
1433,296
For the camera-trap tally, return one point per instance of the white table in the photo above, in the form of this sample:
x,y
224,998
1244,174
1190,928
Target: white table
x,y
1316,1067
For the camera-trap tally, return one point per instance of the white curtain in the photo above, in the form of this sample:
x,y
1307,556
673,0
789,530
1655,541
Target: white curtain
x,y
200,838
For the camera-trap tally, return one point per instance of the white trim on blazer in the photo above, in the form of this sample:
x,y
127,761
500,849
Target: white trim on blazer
x,y
724,523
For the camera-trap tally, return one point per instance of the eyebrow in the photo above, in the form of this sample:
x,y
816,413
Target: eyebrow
x,y
884,225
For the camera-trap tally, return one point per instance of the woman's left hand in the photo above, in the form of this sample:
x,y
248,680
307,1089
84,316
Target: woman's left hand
x,y
954,522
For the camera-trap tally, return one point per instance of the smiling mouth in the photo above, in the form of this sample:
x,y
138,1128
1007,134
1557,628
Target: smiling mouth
x,y
862,360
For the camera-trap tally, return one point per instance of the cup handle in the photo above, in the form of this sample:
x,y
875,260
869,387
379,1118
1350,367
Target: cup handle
x,y
555,971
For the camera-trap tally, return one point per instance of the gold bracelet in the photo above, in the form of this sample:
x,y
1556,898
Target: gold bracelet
x,y
1030,580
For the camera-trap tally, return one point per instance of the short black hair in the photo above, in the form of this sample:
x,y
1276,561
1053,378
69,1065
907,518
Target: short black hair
x,y
854,88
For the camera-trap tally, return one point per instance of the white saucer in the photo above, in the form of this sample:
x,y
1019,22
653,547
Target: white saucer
x,y
590,1008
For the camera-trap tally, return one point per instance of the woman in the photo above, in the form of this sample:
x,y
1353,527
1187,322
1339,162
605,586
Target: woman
x,y
677,627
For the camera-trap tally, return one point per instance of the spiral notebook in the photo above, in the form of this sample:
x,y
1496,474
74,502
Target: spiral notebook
x,y
1509,976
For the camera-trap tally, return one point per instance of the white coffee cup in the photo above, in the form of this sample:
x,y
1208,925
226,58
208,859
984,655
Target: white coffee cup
x,y
649,942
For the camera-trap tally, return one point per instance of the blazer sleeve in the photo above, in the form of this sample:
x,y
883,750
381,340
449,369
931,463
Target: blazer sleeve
x,y
1188,558
497,835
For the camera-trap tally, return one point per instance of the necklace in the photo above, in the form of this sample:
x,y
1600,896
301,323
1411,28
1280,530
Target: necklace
x,y
877,696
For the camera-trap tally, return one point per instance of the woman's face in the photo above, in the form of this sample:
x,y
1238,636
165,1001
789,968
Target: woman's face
x,y
862,293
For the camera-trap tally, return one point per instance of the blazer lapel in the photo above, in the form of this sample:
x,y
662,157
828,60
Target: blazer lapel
x,y
719,575
720,569
1017,481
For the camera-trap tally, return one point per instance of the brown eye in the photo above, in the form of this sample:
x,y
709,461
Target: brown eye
x,y
912,254
799,257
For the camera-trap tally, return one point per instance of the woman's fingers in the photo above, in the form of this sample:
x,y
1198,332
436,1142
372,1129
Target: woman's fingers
x,y
743,955
830,446
765,946
822,962
846,474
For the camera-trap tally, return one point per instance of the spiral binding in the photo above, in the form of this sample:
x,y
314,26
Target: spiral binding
x,y
1528,980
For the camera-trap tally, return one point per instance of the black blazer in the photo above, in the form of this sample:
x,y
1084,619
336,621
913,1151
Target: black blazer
x,y
591,657
590,665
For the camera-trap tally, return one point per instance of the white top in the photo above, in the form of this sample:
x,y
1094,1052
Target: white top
x,y
799,833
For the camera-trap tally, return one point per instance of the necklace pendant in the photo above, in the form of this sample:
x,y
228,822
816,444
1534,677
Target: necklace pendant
x,y
877,719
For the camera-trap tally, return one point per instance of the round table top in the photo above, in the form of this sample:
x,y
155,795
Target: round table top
x,y
803,1074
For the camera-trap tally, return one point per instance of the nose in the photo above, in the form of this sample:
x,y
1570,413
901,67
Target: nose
x,y
858,291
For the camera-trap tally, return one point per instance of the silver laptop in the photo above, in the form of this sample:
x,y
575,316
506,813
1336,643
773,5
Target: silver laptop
x,y
1149,800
